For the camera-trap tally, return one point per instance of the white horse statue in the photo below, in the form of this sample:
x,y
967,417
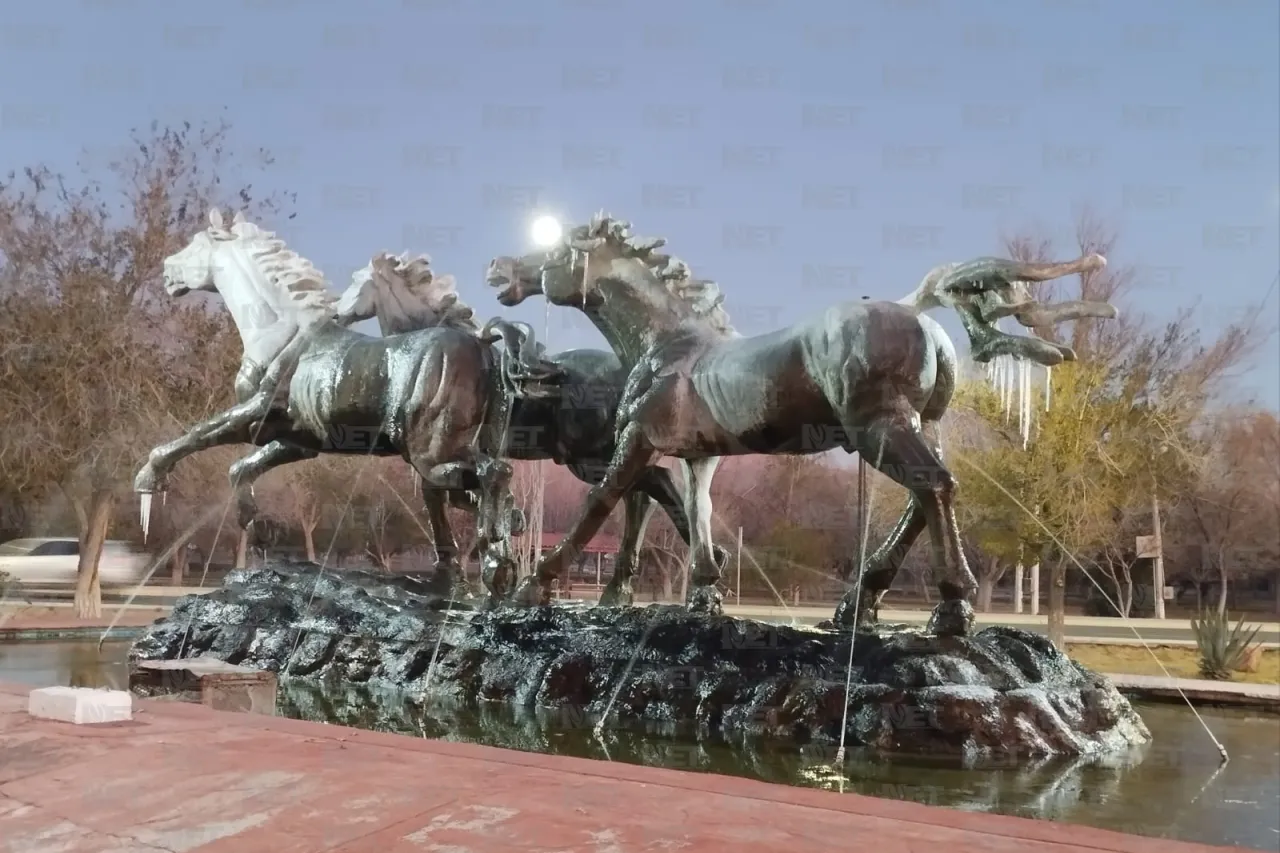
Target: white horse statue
x,y
309,385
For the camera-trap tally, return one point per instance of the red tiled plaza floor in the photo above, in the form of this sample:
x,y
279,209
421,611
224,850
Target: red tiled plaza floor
x,y
185,778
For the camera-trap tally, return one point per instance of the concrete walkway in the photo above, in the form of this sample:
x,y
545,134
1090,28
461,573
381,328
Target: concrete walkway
x,y
185,778
1200,691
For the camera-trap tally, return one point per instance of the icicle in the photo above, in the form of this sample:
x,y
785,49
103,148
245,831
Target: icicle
x,y
1030,408
1024,382
1022,402
1048,383
146,514
1004,389
1018,395
1008,387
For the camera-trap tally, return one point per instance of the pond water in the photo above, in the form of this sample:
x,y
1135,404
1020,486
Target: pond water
x,y
1173,788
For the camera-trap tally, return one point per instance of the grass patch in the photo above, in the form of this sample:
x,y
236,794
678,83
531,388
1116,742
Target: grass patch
x,y
1181,662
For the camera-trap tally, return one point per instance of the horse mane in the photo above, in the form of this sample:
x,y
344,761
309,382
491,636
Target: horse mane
x,y
702,296
294,274
438,292
929,293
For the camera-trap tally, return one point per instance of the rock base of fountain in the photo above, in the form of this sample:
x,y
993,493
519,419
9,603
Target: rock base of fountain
x,y
1000,692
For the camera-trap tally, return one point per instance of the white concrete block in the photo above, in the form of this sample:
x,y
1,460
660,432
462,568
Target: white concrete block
x,y
80,705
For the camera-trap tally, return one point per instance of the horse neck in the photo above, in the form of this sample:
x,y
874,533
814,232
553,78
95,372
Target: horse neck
x,y
636,310
265,325
925,296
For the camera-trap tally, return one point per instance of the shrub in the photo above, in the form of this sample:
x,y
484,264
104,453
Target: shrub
x,y
1222,648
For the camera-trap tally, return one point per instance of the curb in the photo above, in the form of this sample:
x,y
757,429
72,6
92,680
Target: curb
x,y
20,635
1198,697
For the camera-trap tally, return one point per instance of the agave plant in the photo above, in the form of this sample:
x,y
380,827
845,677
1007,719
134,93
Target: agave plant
x,y
1222,648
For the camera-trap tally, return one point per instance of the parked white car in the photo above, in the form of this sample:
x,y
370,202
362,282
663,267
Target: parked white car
x,y
55,560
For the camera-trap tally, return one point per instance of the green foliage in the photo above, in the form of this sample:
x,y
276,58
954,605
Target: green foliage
x,y
797,556
1066,478
1222,648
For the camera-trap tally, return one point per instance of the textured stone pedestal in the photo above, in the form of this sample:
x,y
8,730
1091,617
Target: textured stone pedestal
x,y
1001,692
209,681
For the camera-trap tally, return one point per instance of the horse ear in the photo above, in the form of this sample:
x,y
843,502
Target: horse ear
x,y
238,219
215,218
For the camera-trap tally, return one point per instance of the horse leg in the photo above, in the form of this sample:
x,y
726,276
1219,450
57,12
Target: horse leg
x,y
661,486
209,433
246,471
705,571
639,509
861,602
497,521
631,457
900,450
446,578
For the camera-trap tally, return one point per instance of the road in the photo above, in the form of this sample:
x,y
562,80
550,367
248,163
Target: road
x,y
1083,627
1078,627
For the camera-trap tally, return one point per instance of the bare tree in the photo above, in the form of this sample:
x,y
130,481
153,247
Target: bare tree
x,y
314,488
1235,500
90,340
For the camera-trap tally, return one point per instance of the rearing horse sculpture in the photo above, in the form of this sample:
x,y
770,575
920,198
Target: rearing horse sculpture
x,y
308,385
575,428
870,377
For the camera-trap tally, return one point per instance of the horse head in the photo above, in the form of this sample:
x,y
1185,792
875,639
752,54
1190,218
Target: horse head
x,y
270,291
405,294
986,290
193,266
622,282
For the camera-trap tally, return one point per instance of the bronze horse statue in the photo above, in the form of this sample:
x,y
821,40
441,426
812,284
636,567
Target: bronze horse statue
x,y
574,426
309,385
870,377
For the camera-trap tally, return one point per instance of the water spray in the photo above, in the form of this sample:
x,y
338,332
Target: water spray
x,y
857,596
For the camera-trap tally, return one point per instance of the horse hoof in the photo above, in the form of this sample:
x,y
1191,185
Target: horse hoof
x,y
706,600
147,482
847,615
857,608
952,618
530,594
616,596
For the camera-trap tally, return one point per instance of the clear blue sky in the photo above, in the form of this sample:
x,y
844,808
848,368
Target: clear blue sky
x,y
800,153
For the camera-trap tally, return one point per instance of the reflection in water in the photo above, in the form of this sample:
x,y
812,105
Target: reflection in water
x,y
74,664
1158,790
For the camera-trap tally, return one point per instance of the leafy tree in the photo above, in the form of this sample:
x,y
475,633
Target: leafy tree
x,y
1119,432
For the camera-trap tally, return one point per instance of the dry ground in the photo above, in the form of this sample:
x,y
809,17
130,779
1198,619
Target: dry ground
x,y
1181,662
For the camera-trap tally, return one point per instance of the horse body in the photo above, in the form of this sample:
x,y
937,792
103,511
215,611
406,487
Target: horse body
x,y
797,390
575,427
882,373
308,385
402,391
